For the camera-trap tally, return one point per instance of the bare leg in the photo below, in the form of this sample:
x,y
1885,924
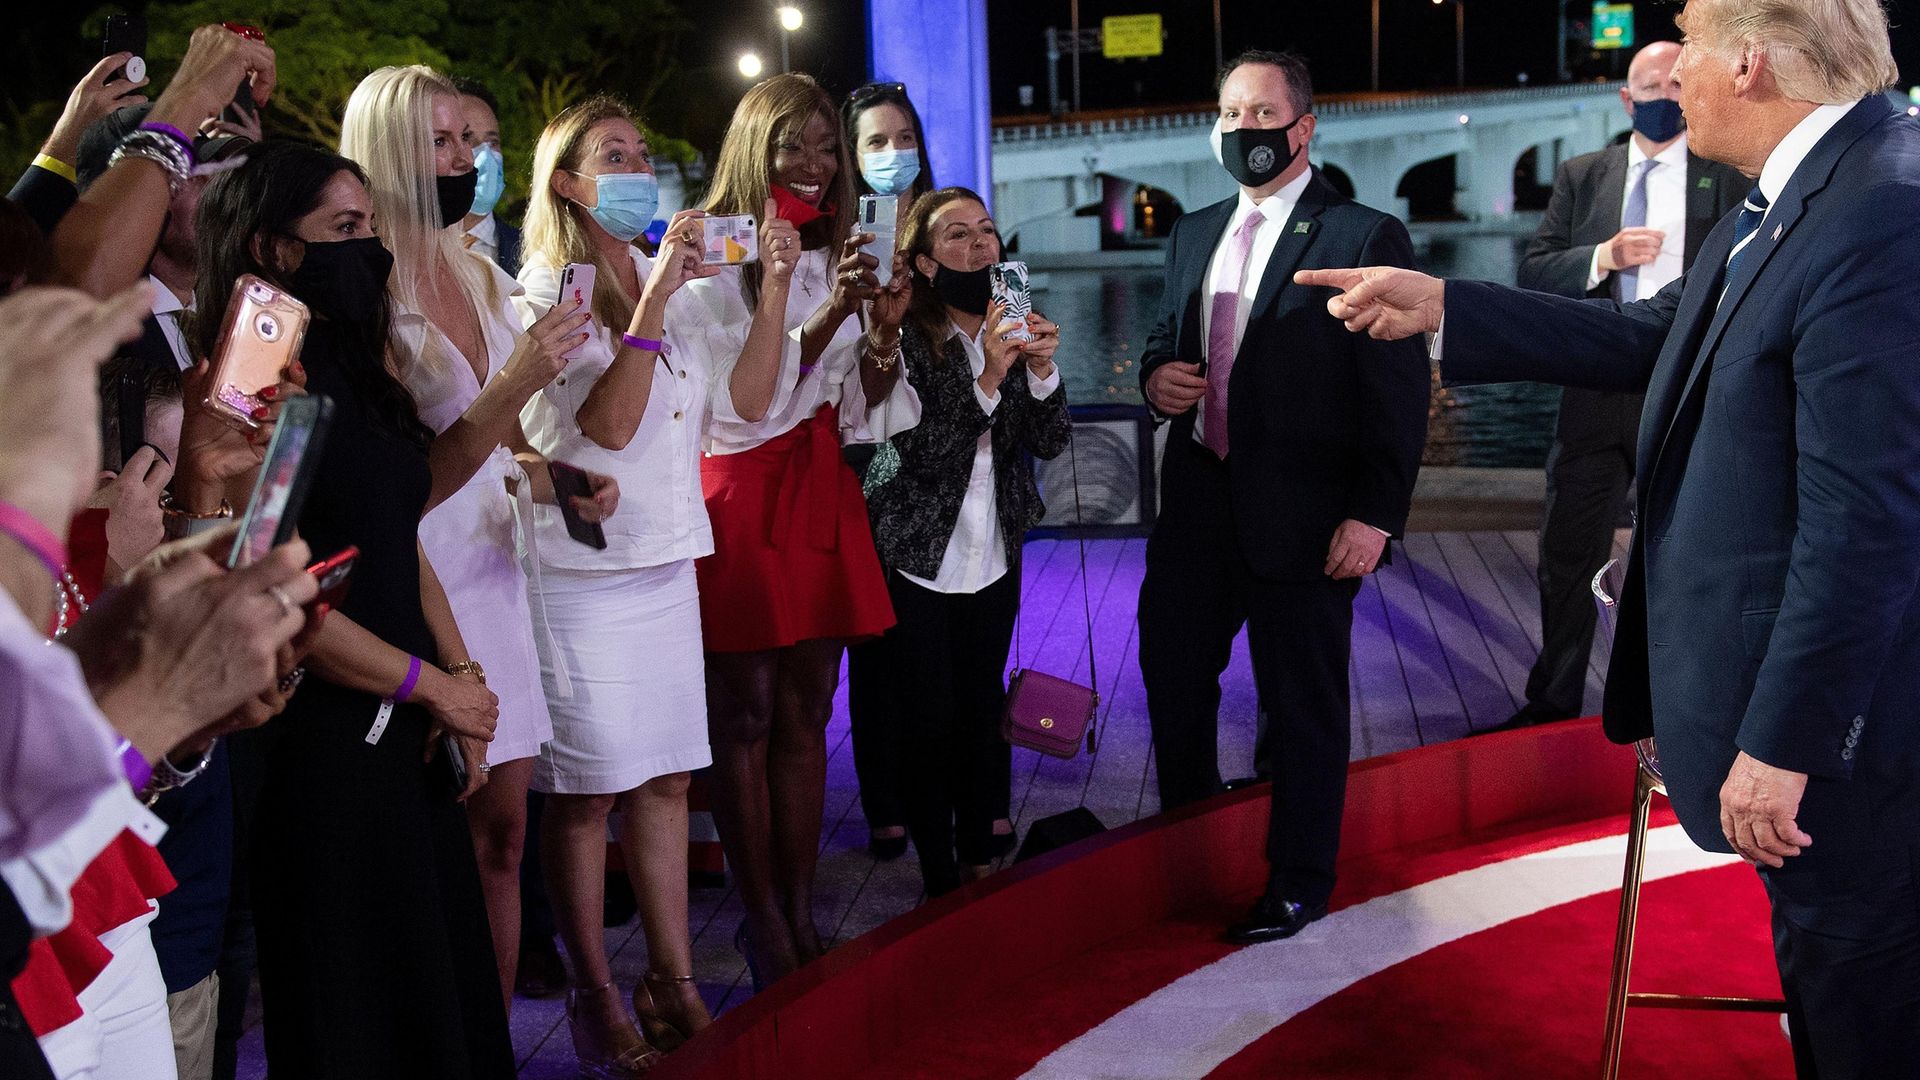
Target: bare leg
x,y
653,839
573,845
797,780
740,693
497,817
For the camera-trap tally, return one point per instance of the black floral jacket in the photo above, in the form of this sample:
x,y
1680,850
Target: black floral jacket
x,y
915,500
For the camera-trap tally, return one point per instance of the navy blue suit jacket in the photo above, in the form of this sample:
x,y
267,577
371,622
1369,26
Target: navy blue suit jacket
x,y
1771,600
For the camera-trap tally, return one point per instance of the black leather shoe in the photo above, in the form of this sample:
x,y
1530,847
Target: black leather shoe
x,y
1273,919
886,848
1530,715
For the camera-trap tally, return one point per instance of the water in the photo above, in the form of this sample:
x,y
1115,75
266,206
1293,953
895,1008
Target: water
x,y
1107,314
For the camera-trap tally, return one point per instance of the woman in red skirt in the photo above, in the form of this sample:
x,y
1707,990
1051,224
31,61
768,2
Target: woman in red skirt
x,y
793,576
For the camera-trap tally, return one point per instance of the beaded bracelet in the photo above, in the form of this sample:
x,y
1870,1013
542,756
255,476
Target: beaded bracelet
x,y
159,149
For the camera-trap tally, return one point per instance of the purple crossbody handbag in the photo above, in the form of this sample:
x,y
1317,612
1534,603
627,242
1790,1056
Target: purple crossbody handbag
x,y
1046,712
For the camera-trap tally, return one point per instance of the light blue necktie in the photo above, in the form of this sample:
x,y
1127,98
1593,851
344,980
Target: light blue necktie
x,y
1633,216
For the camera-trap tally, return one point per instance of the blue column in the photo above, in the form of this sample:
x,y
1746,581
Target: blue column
x,y
938,48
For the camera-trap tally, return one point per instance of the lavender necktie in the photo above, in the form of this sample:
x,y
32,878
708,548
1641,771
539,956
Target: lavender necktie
x,y
1222,321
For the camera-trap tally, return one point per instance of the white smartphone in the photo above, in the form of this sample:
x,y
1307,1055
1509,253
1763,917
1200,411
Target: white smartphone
x,y
576,283
880,215
729,241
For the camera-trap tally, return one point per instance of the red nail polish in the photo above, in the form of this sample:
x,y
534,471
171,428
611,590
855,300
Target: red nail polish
x,y
269,393
262,413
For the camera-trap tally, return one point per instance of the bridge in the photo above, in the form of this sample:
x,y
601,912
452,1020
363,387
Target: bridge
x,y
1048,176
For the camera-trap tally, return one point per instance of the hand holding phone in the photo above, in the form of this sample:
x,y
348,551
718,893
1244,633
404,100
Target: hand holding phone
x,y
332,574
126,34
1009,281
261,340
576,286
273,509
569,483
880,215
729,241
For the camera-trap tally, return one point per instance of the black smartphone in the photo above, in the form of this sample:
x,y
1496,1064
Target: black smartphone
x,y
274,508
126,34
568,482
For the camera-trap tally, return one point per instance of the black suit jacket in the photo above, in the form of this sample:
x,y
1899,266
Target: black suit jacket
x,y
45,196
1585,213
509,240
1324,425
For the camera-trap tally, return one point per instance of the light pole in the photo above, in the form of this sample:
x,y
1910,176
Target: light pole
x,y
1459,40
750,65
1376,45
790,20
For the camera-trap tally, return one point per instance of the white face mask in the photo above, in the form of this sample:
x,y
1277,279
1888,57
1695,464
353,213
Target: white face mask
x,y
1214,138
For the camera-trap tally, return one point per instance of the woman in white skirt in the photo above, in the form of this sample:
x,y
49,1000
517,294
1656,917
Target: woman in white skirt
x,y
470,368
622,656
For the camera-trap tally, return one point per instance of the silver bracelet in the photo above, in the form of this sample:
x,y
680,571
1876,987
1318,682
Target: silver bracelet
x,y
160,149
166,777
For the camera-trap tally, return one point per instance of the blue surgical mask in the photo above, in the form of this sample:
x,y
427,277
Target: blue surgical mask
x,y
1659,120
890,172
627,203
492,171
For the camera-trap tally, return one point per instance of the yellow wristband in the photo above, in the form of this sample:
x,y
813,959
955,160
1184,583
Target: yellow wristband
x,y
57,167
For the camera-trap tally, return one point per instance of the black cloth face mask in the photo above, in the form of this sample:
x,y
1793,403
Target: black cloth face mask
x,y
1659,120
344,280
1256,155
963,290
456,195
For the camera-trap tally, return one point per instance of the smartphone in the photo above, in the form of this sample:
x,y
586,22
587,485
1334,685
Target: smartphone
x,y
281,489
126,34
729,241
331,575
1010,288
242,110
569,481
576,283
265,327
458,760
880,215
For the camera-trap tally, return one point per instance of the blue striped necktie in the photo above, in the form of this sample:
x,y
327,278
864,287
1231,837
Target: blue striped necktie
x,y
1751,213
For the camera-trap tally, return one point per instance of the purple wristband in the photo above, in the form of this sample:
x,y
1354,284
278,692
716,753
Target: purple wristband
x,y
407,684
168,129
638,342
136,767
35,537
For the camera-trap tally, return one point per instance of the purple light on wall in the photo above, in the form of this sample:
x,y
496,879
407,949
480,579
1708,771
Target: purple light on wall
x,y
1116,202
938,49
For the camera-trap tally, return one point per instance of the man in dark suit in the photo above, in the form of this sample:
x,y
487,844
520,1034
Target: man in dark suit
x,y
1279,496
1769,631
1623,222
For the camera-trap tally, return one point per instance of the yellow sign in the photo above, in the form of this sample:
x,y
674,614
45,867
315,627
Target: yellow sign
x,y
1125,37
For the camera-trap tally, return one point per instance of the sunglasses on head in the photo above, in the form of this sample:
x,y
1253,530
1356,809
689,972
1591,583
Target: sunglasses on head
x,y
877,89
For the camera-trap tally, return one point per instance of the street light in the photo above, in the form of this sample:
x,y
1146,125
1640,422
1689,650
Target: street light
x,y
790,20
750,65
1459,40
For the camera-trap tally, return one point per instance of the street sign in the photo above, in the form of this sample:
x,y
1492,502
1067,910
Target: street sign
x,y
1128,37
1612,26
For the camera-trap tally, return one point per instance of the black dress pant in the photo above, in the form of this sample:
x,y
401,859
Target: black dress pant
x,y
1198,593
1846,933
1588,470
876,738
947,657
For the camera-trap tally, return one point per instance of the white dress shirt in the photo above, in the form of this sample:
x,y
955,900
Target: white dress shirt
x,y
1276,208
166,311
486,238
1666,211
976,554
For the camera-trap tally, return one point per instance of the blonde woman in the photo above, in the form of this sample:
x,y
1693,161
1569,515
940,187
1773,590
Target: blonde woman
x,y
626,619
793,576
470,368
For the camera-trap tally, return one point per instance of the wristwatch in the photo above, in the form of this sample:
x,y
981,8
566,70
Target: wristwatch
x,y
167,776
467,667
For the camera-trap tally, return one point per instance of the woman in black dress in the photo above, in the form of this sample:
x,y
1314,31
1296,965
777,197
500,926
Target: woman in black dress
x,y
375,960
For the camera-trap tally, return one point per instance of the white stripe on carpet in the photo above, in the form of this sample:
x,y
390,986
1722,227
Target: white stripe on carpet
x,y
1192,1025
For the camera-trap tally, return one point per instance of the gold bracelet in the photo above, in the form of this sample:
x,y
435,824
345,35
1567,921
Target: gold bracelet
x,y
884,361
466,667
169,509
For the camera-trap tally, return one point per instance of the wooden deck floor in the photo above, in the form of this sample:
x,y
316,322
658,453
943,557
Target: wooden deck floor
x,y
1442,642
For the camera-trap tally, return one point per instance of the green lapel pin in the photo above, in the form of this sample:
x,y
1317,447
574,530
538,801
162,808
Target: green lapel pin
x,y
1301,228
1706,182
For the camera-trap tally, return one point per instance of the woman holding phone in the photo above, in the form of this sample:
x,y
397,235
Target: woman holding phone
x,y
949,522
373,944
793,576
465,359
626,619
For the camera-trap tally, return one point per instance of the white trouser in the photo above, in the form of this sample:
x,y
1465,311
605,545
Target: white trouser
x,y
123,1032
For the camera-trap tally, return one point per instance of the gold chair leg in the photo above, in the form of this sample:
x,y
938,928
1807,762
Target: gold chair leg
x,y
1624,929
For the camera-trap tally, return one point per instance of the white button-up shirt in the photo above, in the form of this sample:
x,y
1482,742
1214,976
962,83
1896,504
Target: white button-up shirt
x,y
976,554
166,311
1666,211
486,238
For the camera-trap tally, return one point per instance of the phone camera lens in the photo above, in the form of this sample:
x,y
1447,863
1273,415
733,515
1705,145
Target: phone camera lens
x,y
267,327
259,293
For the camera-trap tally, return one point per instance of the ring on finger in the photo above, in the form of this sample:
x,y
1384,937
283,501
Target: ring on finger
x,y
287,606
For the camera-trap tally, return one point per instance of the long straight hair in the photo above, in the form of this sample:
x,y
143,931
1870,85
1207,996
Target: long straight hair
x,y
774,110
388,129
560,230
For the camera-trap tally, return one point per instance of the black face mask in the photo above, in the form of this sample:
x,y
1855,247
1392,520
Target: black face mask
x,y
963,290
1659,120
345,280
1256,155
456,195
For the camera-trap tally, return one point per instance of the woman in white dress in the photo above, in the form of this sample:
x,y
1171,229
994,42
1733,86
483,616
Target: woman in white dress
x,y
470,369
630,714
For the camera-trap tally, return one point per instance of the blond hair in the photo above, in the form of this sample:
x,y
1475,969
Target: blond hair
x,y
776,109
558,229
1833,52
388,131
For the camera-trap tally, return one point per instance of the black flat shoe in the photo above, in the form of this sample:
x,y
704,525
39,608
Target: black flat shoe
x,y
1530,715
1001,843
886,848
1273,919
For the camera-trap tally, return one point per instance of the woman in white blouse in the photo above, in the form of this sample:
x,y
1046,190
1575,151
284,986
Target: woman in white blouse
x,y
793,576
470,369
625,677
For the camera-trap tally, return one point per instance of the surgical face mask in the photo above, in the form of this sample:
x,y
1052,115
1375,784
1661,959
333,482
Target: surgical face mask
x,y
1254,156
456,195
626,204
890,172
492,172
1659,120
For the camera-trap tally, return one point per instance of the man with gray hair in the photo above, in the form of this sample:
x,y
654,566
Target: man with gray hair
x,y
1769,631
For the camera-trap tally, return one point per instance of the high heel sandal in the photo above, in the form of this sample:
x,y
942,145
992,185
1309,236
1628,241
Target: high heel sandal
x,y
608,1048
663,1033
